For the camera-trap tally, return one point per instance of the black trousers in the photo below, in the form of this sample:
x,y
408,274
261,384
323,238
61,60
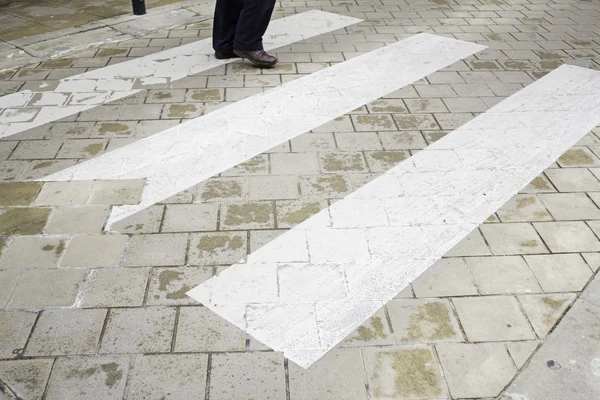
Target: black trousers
x,y
241,24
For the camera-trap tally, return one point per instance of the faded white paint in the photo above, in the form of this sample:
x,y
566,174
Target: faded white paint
x,y
18,112
192,152
308,289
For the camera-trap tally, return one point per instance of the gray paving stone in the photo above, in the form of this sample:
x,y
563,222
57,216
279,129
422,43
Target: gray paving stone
x,y
543,311
476,370
100,378
570,206
506,239
45,288
145,221
405,140
292,212
166,96
314,142
317,187
493,318
567,237
375,331
541,184
66,332
447,277
261,238
382,161
450,121
183,197
423,321
33,252
73,220
8,281
560,272
255,215
40,169
157,250
115,287
221,189
521,351
6,148
403,373
338,375
277,187
342,162
36,149
18,193
563,367
573,179
82,148
339,124
593,260
247,375
502,275
201,330
15,327
64,193
26,378
465,104
287,164
190,217
472,245
387,106
168,286
578,157
217,248
94,251
523,208
117,192
426,105
413,122
139,330
181,376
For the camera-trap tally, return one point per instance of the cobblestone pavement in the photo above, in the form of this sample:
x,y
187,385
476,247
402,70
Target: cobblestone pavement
x,y
86,314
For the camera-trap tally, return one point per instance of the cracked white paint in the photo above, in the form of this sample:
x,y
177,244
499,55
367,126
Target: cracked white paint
x,y
86,91
305,291
185,155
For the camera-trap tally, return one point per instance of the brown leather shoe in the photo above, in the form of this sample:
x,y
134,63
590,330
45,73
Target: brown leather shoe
x,y
225,56
260,57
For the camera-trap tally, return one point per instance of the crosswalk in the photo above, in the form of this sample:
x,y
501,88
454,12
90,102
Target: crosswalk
x,y
185,155
32,108
308,289
305,291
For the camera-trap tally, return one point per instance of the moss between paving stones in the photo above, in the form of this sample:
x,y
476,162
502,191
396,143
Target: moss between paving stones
x,y
23,221
18,194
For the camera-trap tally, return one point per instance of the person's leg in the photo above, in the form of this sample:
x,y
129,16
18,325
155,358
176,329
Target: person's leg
x,y
227,13
252,24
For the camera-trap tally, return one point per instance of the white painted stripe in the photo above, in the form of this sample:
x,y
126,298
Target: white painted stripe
x,y
192,152
308,289
21,111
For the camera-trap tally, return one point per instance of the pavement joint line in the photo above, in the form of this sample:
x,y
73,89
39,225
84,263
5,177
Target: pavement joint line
x,y
180,157
21,111
309,288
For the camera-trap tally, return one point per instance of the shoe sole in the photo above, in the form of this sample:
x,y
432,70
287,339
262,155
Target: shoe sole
x,y
225,57
257,63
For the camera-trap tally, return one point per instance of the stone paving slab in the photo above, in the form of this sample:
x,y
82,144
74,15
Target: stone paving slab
x,y
85,314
